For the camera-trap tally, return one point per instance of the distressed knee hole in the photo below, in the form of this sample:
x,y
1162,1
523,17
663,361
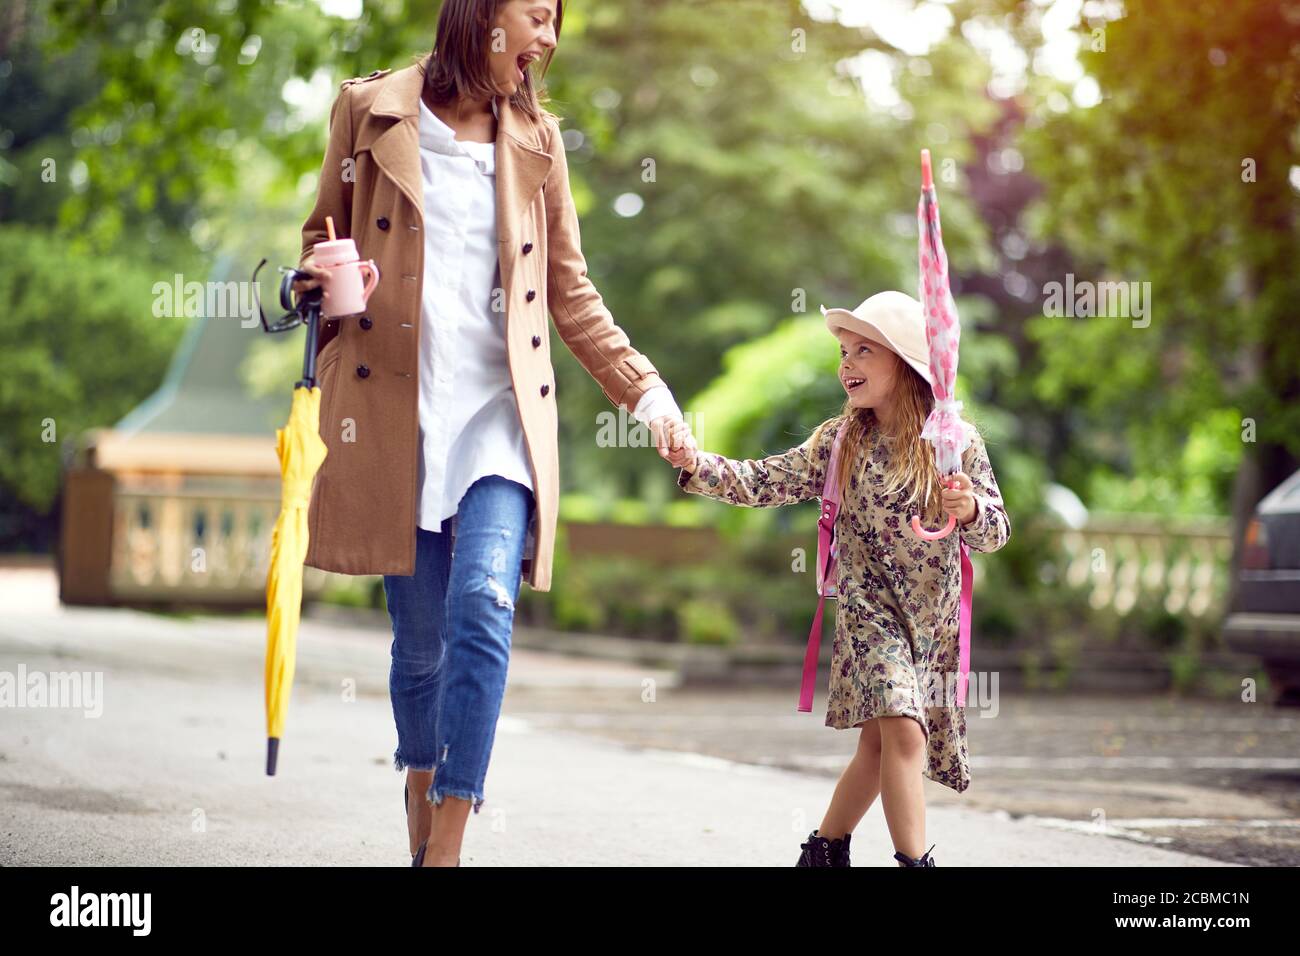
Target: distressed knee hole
x,y
502,595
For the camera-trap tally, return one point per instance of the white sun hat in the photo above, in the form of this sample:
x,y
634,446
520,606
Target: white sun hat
x,y
894,318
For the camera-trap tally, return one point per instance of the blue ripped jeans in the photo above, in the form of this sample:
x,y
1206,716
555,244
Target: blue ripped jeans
x,y
451,622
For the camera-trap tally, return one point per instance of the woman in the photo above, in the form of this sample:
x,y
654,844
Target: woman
x,y
438,405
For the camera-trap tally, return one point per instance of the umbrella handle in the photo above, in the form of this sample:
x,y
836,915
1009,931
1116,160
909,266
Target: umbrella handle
x,y
310,310
933,535
927,535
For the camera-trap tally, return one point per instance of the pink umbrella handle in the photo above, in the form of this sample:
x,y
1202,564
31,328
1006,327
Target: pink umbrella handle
x,y
943,532
927,178
933,535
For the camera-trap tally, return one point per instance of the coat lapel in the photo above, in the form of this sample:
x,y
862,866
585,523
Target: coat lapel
x,y
396,150
521,164
522,167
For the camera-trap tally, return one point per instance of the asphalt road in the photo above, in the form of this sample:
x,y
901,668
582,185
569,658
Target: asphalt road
x,y
596,763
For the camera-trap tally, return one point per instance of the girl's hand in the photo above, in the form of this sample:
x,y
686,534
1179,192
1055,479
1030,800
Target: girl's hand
x,y
675,442
958,495
685,459
318,273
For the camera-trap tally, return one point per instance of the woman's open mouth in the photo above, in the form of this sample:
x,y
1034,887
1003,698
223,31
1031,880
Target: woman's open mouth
x,y
853,383
521,64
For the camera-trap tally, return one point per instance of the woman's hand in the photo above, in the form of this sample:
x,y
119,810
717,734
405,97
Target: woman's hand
x,y
674,441
318,274
958,495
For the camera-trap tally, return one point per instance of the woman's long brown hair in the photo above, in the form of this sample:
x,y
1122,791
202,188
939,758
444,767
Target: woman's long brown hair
x,y
458,64
911,466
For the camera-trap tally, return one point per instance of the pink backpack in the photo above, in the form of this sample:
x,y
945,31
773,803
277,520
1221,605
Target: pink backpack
x,y
828,551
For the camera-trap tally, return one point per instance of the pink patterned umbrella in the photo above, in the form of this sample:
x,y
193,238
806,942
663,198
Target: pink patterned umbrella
x,y
944,427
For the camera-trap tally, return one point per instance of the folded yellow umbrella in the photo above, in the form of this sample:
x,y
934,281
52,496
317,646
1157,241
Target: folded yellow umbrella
x,y
301,452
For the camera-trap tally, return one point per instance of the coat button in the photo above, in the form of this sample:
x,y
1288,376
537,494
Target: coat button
x,y
545,389
537,341
365,322
382,223
363,371
528,247
532,294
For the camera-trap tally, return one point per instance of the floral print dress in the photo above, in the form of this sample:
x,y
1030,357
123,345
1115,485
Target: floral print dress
x,y
896,620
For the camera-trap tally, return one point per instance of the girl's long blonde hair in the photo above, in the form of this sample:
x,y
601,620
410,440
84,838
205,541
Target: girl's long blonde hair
x,y
911,467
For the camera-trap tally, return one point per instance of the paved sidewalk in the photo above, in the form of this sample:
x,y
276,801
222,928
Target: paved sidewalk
x,y
172,771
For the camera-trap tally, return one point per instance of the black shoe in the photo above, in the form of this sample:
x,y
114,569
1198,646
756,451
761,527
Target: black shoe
x,y
418,859
406,802
819,851
923,860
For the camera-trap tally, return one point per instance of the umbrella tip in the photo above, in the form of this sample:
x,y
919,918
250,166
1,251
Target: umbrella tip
x,y
927,178
272,754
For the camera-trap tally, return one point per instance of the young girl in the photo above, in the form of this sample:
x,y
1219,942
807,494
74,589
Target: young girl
x,y
896,621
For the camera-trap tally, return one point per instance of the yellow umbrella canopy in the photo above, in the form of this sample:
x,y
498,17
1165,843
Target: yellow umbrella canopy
x,y
301,452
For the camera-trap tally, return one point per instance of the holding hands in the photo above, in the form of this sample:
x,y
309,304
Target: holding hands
x,y
674,441
676,445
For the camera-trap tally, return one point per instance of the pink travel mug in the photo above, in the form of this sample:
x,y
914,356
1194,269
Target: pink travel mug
x,y
345,292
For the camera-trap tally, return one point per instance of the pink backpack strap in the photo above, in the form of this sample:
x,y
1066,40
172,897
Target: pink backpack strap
x,y
830,490
825,563
963,626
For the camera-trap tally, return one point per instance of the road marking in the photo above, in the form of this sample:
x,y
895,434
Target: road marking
x,y
1155,823
1093,828
1134,830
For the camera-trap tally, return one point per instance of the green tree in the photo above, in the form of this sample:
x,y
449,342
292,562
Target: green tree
x,y
1182,176
730,179
81,345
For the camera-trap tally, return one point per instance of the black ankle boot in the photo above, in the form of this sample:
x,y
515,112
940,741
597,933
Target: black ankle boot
x,y
923,860
819,851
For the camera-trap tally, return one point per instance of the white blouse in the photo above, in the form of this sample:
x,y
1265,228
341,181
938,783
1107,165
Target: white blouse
x,y
469,422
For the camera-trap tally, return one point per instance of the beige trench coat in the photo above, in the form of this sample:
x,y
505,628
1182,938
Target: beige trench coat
x,y
363,505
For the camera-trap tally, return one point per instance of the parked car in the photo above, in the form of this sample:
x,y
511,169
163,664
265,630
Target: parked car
x,y
1264,619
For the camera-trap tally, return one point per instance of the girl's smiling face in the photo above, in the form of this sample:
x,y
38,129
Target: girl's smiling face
x,y
867,371
527,32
